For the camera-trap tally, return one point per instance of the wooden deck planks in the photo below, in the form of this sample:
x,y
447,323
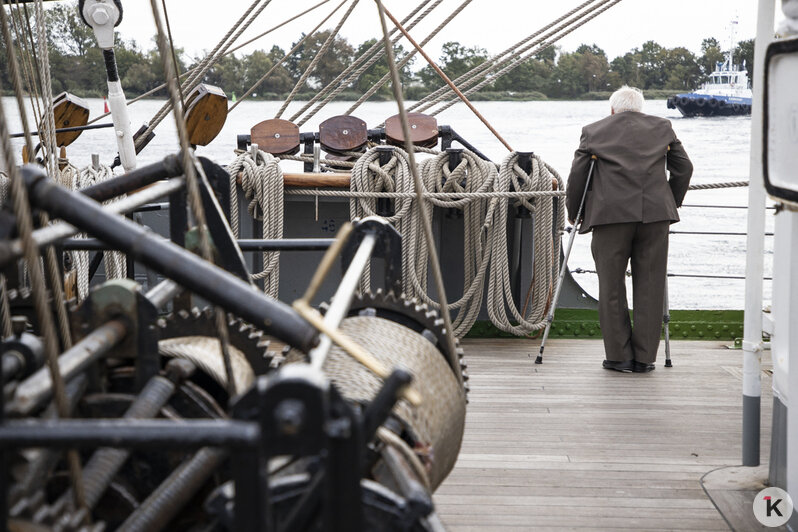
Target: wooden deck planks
x,y
567,445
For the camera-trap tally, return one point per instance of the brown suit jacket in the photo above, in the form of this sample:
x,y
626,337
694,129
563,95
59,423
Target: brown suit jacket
x,y
629,182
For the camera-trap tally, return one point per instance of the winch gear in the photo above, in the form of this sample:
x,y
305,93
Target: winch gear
x,y
252,342
414,315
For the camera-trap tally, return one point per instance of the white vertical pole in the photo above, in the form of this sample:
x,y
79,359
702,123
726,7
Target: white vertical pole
x,y
754,268
785,258
785,334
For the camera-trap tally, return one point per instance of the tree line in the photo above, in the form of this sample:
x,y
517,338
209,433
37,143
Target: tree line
x,y
77,66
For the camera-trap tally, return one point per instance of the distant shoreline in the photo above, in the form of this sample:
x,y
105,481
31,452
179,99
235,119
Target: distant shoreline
x,y
658,94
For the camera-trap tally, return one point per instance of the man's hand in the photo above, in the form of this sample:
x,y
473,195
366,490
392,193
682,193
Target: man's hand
x,y
571,222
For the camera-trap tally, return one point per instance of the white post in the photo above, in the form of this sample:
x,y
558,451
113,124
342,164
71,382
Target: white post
x,y
755,257
785,305
785,334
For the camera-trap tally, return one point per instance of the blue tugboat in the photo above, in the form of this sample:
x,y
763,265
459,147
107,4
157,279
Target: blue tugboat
x,y
727,93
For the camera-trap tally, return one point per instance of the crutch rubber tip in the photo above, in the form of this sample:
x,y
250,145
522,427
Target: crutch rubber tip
x,y
539,359
668,364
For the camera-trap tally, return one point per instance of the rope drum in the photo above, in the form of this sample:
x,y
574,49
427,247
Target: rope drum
x,y
437,425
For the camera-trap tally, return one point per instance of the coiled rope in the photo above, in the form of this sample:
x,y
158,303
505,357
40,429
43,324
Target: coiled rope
x,y
482,193
262,183
115,261
369,177
546,251
471,175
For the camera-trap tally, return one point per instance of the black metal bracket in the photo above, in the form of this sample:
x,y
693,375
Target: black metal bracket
x,y
308,140
448,135
389,247
215,182
385,206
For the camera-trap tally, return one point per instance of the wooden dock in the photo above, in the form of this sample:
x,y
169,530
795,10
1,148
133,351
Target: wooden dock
x,y
568,445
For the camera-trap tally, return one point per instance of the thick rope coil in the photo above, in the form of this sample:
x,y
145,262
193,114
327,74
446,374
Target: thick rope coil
x,y
262,183
546,252
472,175
5,185
368,176
115,263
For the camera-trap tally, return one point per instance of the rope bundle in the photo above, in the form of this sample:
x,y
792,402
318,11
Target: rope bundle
x,y
115,263
262,183
546,252
369,177
472,175
485,253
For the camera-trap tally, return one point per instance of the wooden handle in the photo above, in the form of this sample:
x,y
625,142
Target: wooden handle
x,y
305,180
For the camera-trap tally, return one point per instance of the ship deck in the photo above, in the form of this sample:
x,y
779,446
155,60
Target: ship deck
x,y
568,445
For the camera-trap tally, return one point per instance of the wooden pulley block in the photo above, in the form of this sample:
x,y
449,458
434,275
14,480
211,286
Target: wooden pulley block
x,y
206,113
343,133
276,136
68,111
423,130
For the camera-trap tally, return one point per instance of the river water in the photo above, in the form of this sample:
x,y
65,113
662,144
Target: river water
x,y
718,147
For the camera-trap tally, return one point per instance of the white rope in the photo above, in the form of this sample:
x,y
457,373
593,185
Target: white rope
x,y
472,175
115,263
369,177
262,183
546,252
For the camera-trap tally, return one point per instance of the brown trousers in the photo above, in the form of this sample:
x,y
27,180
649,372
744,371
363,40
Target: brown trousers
x,y
646,245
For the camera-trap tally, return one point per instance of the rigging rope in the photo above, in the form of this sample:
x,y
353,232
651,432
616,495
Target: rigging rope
x,y
546,251
228,52
22,211
382,81
191,168
464,78
512,51
356,69
319,54
241,25
262,183
286,56
519,60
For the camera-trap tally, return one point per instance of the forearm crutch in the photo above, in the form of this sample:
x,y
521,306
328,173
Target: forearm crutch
x,y
564,267
666,320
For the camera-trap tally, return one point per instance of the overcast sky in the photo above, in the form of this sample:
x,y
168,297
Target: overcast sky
x,y
491,24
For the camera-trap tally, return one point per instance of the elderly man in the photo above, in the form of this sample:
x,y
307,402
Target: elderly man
x,y
629,206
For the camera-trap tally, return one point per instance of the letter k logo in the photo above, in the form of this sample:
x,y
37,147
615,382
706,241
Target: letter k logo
x,y
773,506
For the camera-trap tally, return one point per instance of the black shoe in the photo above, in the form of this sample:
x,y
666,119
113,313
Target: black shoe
x,y
642,367
625,366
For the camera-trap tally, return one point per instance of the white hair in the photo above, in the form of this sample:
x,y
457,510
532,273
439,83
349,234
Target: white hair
x,y
626,99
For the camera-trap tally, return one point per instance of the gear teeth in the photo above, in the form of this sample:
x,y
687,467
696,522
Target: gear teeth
x,y
250,340
430,323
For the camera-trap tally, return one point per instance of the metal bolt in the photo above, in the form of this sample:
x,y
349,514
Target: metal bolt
x,y
19,324
277,135
100,15
414,126
289,415
345,131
